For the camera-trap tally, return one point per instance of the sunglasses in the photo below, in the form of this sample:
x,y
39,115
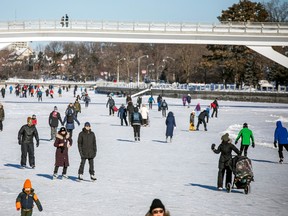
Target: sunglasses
x,y
157,211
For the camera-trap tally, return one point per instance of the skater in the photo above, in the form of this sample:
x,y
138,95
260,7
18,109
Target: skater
x,y
87,149
184,100
130,110
159,101
225,161
2,116
215,107
170,125
51,92
197,109
145,115
136,120
25,139
188,100
39,95
157,209
111,104
201,119
34,120
53,120
192,120
151,101
128,99
86,100
164,107
25,200
139,102
63,142
122,113
77,107
69,119
280,136
3,92
246,134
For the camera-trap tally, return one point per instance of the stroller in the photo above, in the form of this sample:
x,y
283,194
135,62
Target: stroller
x,y
243,174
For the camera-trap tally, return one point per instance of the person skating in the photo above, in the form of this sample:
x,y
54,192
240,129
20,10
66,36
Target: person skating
x,y
280,136
225,161
145,115
159,101
164,107
192,121
151,101
34,120
86,100
2,116
69,119
3,91
136,120
157,209
53,120
25,138
139,102
77,107
62,143
188,98
215,107
111,104
201,119
87,148
170,125
246,135
130,110
122,113
26,199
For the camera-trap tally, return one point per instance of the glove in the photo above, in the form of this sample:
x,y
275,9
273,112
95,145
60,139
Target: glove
x,y
213,146
275,144
235,142
253,145
19,142
37,144
18,209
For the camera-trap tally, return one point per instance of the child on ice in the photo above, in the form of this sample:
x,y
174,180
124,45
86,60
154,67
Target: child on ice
x,y
25,200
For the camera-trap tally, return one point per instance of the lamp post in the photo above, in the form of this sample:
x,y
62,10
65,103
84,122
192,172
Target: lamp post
x,y
118,67
148,67
138,74
157,77
166,60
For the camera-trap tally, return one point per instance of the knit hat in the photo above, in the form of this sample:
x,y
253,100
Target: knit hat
x,y
62,129
245,125
87,124
55,108
29,120
225,137
27,184
156,204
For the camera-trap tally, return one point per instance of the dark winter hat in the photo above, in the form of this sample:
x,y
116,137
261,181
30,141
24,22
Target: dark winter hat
x,y
55,108
245,125
156,204
87,124
62,129
225,137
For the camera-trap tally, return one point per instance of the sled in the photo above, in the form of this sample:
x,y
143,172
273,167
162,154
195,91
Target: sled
x,y
115,108
192,127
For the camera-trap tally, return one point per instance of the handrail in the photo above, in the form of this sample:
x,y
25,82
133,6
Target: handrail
x,y
118,26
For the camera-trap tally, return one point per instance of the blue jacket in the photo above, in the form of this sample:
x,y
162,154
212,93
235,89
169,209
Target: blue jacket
x,y
280,134
170,124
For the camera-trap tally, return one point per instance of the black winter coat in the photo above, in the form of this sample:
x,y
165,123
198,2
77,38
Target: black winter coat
x,y
226,148
87,144
26,134
61,154
170,123
54,118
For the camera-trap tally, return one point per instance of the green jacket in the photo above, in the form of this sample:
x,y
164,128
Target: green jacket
x,y
245,134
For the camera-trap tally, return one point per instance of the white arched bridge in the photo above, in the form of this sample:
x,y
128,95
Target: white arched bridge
x,y
259,37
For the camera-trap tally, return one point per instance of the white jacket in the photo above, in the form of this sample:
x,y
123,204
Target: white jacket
x,y
144,112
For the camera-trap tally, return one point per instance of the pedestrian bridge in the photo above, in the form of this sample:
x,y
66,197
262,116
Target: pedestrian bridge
x,y
257,36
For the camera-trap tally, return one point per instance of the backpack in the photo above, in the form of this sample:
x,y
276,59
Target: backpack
x,y
164,104
136,117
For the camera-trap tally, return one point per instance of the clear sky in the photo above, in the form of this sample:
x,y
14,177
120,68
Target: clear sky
x,y
116,10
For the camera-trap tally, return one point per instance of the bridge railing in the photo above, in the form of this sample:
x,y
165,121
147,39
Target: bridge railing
x,y
185,27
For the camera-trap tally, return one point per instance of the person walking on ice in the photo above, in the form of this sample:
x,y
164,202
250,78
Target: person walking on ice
x,y
25,200
170,125
280,136
246,135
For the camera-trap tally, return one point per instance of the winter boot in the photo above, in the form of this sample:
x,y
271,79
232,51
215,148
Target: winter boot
x,y
170,139
281,161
